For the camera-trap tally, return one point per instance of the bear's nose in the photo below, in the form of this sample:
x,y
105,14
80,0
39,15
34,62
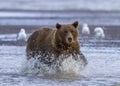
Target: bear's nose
x,y
70,39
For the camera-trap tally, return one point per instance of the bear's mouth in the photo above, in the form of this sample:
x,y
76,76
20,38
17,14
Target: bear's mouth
x,y
65,46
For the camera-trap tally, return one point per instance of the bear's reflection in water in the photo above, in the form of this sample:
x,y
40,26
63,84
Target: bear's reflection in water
x,y
48,64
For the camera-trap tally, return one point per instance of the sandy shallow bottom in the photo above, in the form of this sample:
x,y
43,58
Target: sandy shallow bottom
x,y
102,70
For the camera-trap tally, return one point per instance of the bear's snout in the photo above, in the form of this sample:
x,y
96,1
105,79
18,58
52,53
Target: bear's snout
x,y
69,39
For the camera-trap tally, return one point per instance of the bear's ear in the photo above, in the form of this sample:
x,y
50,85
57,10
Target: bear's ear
x,y
58,26
75,24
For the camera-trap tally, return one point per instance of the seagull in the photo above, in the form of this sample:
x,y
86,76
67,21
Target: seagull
x,y
85,33
21,36
99,33
85,30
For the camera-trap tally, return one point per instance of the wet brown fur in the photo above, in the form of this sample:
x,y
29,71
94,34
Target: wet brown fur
x,y
54,40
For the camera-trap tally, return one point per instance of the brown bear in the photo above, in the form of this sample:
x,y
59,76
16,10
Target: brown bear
x,y
63,40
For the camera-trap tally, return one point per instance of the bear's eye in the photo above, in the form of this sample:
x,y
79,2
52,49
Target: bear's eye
x,y
65,31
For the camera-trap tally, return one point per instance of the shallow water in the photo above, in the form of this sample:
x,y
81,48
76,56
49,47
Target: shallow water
x,y
60,4
102,70
51,17
46,12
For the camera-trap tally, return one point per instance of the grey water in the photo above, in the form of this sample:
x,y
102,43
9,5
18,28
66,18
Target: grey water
x,y
50,18
102,70
47,12
60,4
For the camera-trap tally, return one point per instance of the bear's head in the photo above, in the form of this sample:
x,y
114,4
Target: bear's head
x,y
67,33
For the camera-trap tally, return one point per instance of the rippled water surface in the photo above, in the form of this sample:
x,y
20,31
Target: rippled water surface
x,y
102,70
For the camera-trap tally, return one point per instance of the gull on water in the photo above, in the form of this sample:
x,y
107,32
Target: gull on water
x,y
85,33
99,33
85,30
21,36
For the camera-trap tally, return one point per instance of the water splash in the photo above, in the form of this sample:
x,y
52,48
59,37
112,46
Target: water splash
x,y
68,66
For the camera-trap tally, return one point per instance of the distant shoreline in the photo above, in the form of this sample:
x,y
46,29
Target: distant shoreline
x,y
107,5
65,10
43,17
